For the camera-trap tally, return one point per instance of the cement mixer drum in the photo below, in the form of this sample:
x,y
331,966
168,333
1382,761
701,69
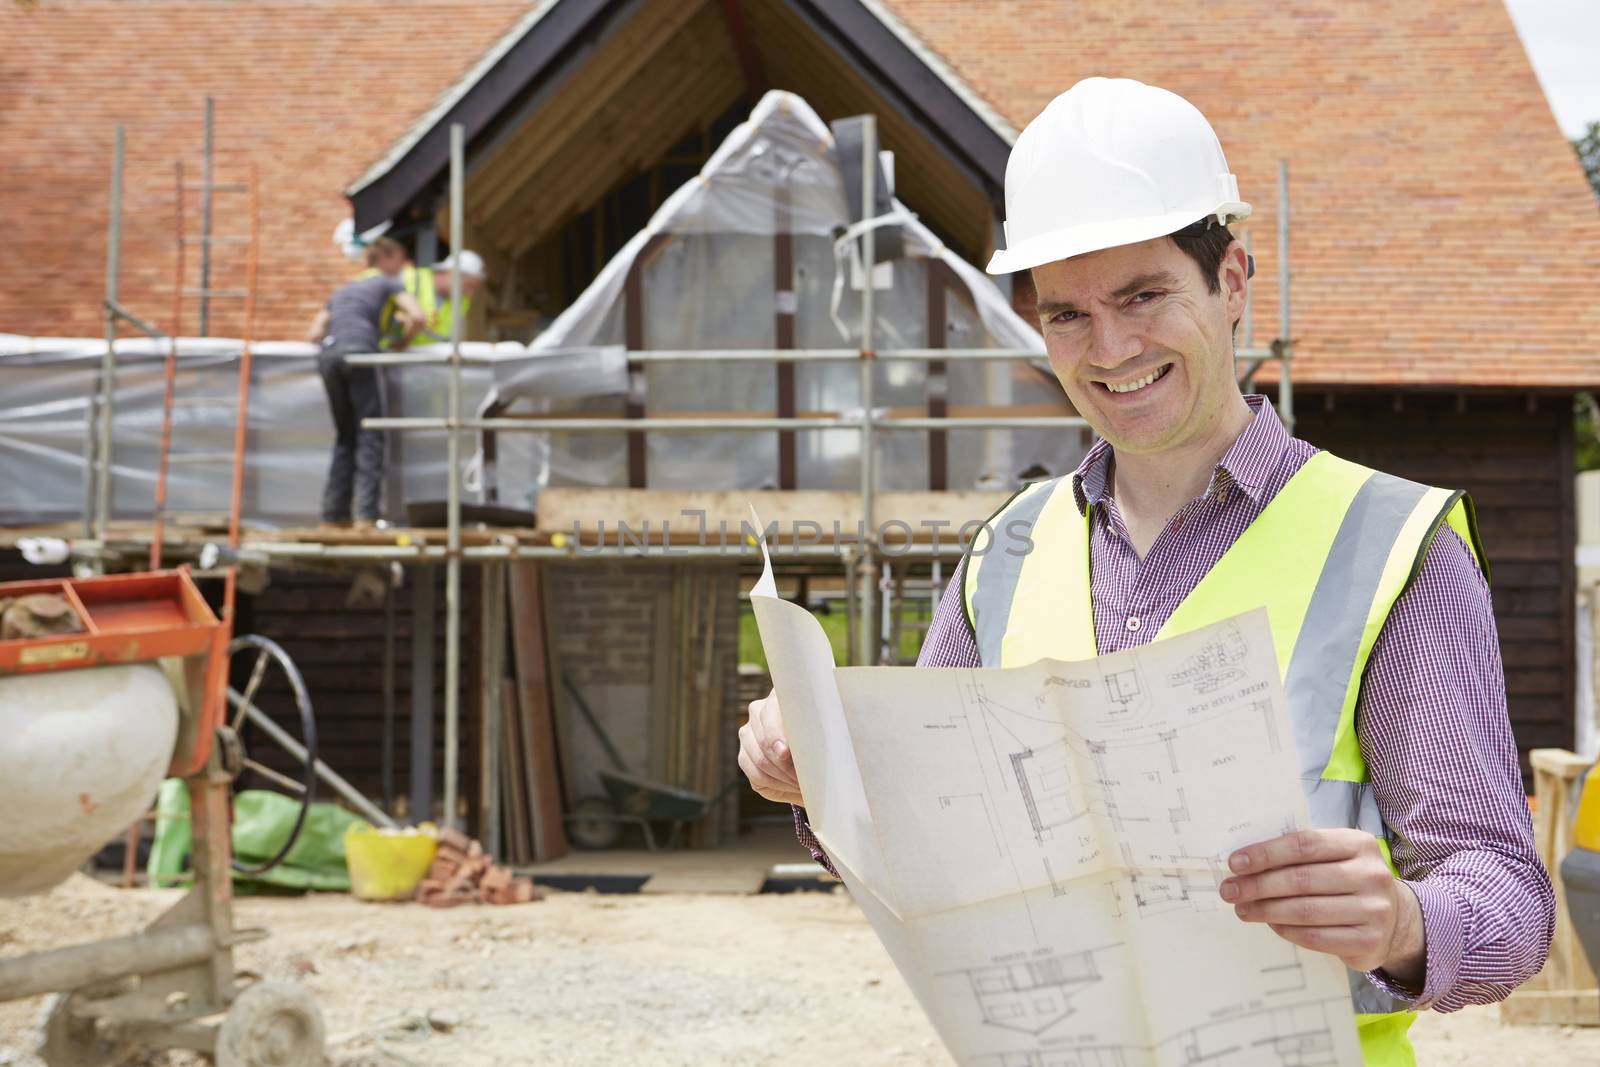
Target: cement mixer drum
x,y
82,753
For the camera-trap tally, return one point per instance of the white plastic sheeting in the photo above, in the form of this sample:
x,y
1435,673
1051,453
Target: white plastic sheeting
x,y
46,385
710,284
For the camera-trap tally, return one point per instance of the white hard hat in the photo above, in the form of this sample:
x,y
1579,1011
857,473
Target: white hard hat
x,y
1111,162
471,263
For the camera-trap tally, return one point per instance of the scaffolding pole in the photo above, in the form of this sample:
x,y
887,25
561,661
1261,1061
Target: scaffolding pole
x,y
100,410
660,424
1283,348
207,178
867,651
452,588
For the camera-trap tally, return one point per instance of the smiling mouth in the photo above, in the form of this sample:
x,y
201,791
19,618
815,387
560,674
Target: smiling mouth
x,y
1140,383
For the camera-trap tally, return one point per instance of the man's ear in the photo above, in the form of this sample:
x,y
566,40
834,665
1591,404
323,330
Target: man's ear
x,y
1233,276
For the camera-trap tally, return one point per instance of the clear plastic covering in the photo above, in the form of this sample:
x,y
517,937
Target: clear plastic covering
x,y
707,281
45,389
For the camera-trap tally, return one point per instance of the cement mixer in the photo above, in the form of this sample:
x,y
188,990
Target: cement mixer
x,y
131,687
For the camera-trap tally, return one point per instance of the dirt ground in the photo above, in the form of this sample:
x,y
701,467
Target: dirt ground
x,y
583,979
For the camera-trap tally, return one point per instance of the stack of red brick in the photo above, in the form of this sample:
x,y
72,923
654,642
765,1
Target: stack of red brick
x,y
462,873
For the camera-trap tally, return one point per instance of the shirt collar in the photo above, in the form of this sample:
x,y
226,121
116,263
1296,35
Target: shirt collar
x,y
1247,463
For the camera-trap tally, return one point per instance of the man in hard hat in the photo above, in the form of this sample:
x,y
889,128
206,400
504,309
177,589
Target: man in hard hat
x,y
348,325
1197,505
431,288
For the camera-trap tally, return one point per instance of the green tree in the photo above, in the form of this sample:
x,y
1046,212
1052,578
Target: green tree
x,y
1588,149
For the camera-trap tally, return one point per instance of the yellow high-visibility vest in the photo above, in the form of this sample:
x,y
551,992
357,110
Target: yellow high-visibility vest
x,y
1328,557
420,283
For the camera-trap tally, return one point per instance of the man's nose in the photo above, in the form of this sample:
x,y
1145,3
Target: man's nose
x,y
1115,340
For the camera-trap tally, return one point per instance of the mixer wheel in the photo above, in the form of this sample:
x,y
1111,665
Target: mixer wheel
x,y
70,1040
271,1024
264,655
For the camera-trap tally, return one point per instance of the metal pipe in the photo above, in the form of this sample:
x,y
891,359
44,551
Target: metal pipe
x,y
423,616
452,587
350,793
869,189
206,179
108,365
98,415
1286,344
261,553
139,324
492,645
388,691
719,355
147,952
698,425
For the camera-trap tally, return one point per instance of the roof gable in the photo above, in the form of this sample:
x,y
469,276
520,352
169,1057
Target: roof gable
x,y
505,86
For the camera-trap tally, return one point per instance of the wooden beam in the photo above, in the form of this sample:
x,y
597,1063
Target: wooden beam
x,y
620,61
755,78
1565,991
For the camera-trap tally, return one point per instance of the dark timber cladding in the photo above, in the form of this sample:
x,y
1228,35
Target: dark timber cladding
x,y
339,648
1514,455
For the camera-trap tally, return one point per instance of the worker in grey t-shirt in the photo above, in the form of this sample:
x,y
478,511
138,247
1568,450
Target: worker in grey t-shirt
x,y
346,326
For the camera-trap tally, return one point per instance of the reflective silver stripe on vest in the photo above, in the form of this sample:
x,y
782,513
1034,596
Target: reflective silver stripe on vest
x,y
996,584
1329,640
1324,655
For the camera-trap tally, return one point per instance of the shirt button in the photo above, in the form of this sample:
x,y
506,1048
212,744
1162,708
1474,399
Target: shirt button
x,y
1133,624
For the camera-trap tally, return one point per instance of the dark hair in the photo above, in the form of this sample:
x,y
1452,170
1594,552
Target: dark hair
x,y
1204,242
383,244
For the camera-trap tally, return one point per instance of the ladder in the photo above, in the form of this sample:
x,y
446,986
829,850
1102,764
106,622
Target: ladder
x,y
167,455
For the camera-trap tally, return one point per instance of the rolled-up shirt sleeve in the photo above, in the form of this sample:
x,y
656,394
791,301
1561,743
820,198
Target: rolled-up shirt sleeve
x,y
1435,734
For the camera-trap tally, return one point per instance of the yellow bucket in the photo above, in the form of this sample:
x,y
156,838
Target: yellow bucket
x,y
387,864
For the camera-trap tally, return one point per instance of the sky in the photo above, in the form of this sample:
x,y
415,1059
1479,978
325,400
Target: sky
x,y
1563,40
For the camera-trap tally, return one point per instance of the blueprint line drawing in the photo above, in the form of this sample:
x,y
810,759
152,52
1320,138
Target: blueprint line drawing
x,y
1033,995
1039,848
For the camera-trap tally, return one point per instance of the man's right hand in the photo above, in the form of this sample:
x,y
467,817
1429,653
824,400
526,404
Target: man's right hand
x,y
764,753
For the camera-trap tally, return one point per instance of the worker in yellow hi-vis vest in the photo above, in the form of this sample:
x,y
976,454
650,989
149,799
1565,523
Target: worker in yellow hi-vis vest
x,y
431,287
1196,505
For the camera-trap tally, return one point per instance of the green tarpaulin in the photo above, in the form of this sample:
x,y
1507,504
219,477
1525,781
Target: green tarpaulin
x,y
262,821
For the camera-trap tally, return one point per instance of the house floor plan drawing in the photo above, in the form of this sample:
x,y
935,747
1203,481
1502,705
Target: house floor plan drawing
x,y
1039,848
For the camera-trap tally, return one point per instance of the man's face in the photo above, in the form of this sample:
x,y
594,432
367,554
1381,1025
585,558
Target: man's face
x,y
1141,345
470,283
390,261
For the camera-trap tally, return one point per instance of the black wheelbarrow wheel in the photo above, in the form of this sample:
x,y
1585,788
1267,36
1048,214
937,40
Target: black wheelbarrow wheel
x,y
267,658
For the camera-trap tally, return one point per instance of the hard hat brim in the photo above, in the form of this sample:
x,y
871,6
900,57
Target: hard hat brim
x,y
1098,236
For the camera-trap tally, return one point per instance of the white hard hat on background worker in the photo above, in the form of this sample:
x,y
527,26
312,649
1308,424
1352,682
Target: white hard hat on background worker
x,y
471,263
1111,162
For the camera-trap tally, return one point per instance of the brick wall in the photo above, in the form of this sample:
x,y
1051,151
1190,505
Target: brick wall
x,y
615,628
311,92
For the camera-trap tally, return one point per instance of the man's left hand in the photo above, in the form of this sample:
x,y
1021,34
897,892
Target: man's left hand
x,y
1331,891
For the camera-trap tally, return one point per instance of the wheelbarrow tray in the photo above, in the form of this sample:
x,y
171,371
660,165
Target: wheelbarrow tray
x,y
652,800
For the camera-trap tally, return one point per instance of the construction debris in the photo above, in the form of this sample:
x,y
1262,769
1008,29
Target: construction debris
x,y
462,873
39,615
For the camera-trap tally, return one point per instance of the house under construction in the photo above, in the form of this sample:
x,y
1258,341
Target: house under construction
x,y
681,232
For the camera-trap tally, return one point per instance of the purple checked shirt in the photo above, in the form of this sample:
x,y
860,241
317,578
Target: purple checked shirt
x,y
1431,716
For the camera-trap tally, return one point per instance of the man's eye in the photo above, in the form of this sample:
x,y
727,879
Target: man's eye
x,y
1063,317
1147,296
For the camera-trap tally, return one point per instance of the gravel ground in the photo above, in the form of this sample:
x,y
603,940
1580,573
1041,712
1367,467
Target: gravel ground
x,y
581,979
